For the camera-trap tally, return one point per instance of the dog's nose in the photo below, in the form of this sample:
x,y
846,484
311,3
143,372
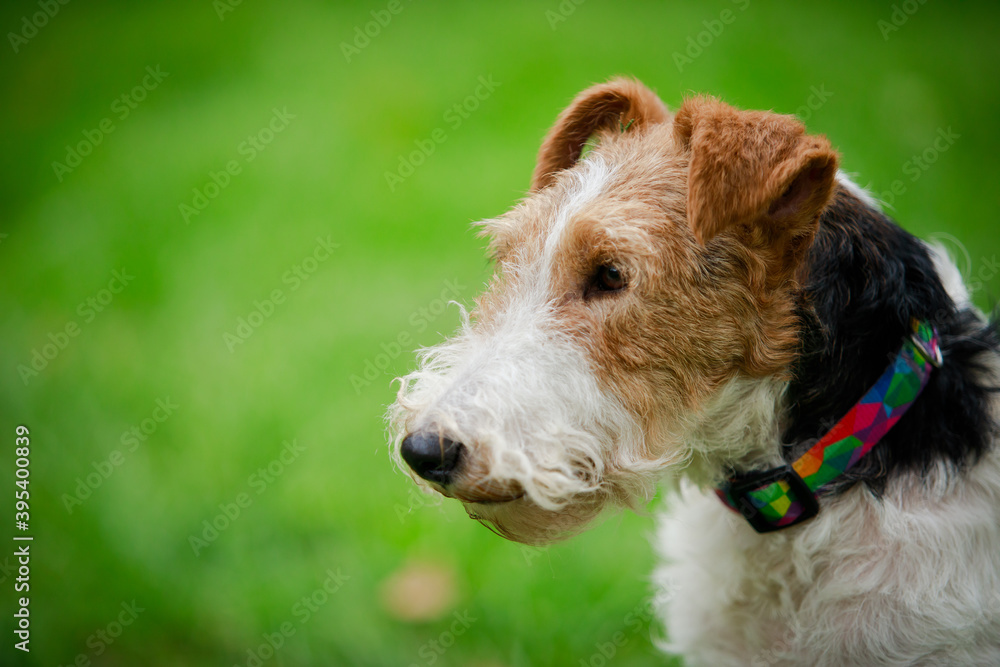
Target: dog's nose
x,y
431,456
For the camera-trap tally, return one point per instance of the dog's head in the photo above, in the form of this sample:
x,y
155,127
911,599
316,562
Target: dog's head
x,y
641,315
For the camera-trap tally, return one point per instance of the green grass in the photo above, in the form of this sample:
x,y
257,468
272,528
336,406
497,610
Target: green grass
x,y
339,504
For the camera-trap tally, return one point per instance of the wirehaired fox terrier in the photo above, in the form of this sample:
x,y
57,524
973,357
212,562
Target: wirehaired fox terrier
x,y
703,297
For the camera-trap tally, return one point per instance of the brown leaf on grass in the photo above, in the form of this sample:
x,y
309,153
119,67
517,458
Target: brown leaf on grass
x,y
419,591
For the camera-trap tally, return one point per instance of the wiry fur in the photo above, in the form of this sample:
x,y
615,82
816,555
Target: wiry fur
x,y
901,569
908,576
522,397
765,293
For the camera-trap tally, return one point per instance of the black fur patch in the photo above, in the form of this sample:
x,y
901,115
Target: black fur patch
x,y
864,280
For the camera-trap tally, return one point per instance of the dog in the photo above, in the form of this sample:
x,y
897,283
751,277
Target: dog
x,y
702,297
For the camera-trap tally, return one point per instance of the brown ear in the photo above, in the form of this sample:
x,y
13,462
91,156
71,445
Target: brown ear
x,y
617,103
755,172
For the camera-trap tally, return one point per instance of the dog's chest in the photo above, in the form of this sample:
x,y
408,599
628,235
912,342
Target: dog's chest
x,y
914,578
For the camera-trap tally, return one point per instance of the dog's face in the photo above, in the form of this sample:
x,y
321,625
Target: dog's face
x,y
635,291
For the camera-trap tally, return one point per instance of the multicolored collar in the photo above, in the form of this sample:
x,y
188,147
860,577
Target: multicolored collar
x,y
782,497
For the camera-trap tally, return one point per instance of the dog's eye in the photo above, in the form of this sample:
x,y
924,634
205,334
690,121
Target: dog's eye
x,y
608,279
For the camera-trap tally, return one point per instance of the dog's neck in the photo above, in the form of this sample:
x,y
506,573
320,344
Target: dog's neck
x,y
864,281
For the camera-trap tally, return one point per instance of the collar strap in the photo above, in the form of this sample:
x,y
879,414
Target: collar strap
x,y
784,496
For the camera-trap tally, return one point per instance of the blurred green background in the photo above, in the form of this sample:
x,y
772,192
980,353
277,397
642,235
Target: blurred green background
x,y
240,361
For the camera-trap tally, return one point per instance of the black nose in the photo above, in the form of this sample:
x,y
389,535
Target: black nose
x,y
431,456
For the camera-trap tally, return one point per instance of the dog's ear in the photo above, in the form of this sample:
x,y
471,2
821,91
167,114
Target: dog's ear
x,y
754,172
619,104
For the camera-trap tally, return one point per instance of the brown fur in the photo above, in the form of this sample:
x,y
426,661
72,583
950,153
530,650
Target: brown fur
x,y
618,104
708,216
757,173
574,387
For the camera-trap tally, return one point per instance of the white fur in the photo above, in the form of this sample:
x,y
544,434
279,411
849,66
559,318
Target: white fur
x,y
585,185
861,193
949,273
740,428
522,396
913,577
944,263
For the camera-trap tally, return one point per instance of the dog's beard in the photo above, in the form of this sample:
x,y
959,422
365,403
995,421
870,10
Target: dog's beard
x,y
523,521
532,417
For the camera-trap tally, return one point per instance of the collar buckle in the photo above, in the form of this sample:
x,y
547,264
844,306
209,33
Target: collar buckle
x,y
771,499
780,497
930,350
